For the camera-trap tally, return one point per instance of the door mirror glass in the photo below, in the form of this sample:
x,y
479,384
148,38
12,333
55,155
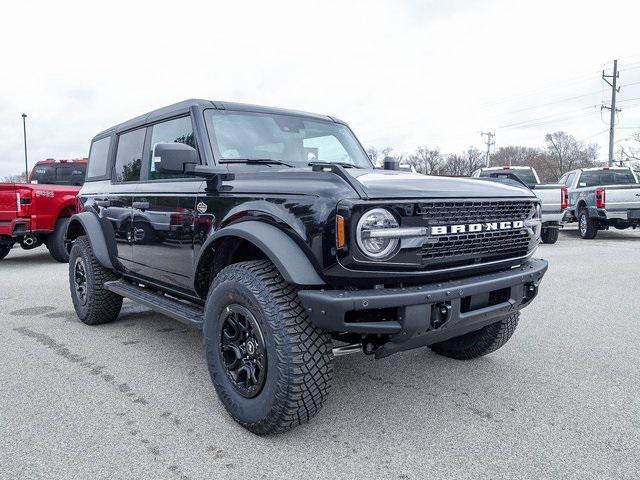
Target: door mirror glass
x,y
172,157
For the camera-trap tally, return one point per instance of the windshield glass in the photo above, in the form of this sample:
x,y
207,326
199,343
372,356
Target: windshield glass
x,y
527,176
286,138
593,178
59,173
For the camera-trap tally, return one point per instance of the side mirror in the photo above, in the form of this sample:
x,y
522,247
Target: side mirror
x,y
173,157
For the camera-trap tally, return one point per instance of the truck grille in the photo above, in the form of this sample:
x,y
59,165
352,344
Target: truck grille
x,y
449,213
468,248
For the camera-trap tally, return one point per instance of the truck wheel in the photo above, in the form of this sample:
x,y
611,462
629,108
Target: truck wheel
x,y
586,226
476,344
4,250
55,241
270,366
550,235
93,303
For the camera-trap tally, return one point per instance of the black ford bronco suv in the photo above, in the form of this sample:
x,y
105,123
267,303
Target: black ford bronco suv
x,y
270,231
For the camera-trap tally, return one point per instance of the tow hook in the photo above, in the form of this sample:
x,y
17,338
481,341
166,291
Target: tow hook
x,y
530,291
440,314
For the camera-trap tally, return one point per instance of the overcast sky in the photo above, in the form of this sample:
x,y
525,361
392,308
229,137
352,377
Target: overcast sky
x,y
401,73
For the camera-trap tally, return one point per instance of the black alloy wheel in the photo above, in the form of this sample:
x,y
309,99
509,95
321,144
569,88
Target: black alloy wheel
x,y
242,350
80,280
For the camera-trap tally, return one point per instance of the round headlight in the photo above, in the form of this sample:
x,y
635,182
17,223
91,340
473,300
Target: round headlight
x,y
371,236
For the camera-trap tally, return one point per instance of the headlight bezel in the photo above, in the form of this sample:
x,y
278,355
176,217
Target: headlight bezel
x,y
392,242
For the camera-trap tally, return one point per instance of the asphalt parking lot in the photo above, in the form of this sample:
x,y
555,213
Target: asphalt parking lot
x,y
132,399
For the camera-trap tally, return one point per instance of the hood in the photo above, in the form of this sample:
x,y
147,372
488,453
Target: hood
x,y
389,184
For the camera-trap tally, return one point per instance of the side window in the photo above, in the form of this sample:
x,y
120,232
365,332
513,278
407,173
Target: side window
x,y
178,130
129,156
570,179
98,158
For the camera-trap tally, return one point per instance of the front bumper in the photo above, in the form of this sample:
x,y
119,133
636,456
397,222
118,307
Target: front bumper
x,y
425,314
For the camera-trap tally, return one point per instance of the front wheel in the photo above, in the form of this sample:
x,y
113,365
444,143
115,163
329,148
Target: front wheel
x,y
270,366
481,342
550,235
587,227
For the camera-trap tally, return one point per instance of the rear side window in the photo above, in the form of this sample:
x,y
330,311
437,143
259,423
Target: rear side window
x,y
129,156
98,158
178,130
526,176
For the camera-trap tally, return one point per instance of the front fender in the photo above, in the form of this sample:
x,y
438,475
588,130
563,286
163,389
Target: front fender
x,y
292,263
87,223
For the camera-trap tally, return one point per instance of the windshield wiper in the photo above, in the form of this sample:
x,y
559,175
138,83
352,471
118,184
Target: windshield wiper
x,y
255,161
342,164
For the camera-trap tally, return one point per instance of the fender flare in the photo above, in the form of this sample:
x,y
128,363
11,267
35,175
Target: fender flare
x,y
292,263
93,227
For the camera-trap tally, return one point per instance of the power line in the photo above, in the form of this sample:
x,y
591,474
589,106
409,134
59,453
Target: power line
x,y
516,124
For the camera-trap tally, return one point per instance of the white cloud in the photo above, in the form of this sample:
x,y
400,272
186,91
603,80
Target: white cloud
x,y
402,73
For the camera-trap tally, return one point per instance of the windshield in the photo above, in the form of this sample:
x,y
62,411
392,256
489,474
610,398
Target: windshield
x,y
59,173
285,138
593,178
526,175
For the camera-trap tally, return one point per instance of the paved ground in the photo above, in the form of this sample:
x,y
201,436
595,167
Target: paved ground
x,y
133,399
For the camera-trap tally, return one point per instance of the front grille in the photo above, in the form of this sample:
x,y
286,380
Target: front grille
x,y
460,249
449,213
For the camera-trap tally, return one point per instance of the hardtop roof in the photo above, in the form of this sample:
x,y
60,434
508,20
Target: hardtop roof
x,y
184,106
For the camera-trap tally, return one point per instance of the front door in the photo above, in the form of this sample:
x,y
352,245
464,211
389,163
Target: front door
x,y
164,212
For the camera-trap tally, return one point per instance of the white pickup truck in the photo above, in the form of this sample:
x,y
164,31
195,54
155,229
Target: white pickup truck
x,y
554,197
603,197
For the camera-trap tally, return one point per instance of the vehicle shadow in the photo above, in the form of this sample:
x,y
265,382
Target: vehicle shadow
x,y
628,235
25,257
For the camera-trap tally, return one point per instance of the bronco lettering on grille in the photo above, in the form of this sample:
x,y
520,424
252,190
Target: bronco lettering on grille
x,y
476,227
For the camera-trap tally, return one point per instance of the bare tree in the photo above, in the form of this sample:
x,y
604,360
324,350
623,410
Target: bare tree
x,y
19,178
427,161
564,153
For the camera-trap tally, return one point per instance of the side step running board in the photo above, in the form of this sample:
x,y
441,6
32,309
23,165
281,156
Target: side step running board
x,y
171,307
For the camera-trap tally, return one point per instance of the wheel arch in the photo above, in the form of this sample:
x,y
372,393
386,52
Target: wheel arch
x,y
253,240
87,223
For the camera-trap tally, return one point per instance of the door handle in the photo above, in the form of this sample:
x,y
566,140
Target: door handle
x,y
140,205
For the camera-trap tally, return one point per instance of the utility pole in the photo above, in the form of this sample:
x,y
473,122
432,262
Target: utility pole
x,y
490,142
24,132
614,89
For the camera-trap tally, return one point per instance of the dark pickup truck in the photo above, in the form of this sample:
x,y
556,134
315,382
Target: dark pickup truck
x,y
270,231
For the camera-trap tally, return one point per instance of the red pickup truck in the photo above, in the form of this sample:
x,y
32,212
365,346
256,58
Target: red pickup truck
x,y
38,212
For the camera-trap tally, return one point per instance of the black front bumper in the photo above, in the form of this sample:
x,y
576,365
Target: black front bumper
x,y
425,314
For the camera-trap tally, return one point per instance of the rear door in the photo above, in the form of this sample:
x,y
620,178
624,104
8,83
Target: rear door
x,y
164,212
125,179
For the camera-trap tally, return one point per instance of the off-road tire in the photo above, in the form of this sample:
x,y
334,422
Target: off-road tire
x,y
476,344
550,235
55,241
299,358
4,250
101,305
587,227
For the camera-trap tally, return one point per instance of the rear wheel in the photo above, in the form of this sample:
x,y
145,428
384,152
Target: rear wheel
x,y
4,250
55,241
93,303
550,235
587,227
270,366
476,344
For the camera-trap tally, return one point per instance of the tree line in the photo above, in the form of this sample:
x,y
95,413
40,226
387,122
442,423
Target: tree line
x,y
560,153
